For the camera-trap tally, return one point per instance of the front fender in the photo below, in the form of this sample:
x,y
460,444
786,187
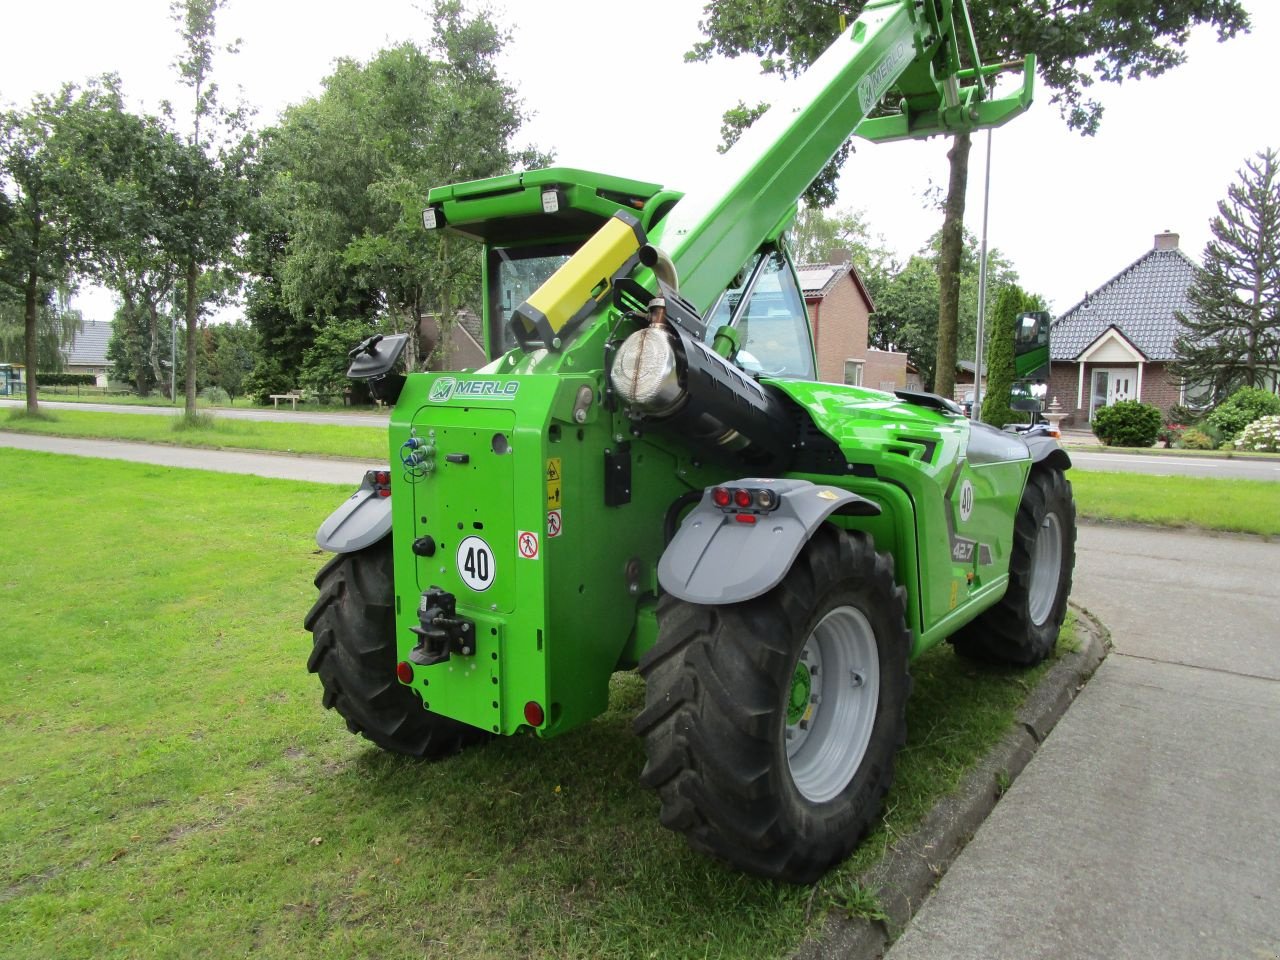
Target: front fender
x,y
715,558
362,520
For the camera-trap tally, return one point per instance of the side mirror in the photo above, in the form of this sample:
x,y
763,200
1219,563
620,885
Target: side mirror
x,y
1025,404
373,360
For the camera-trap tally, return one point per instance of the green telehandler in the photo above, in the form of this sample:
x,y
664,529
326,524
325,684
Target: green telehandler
x,y
647,475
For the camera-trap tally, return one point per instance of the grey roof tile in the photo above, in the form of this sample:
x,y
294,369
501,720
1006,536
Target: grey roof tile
x,y
90,344
1142,302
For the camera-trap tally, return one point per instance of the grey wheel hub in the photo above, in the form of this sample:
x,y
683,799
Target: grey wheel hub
x,y
1046,569
831,708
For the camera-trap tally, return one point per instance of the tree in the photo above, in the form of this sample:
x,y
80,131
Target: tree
x,y
211,177
230,352
1076,42
1232,336
1009,302
42,221
57,325
906,314
816,236
341,237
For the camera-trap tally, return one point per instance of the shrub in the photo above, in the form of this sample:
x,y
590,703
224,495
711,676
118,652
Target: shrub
x,y
1194,439
215,396
1128,423
1169,434
1180,413
1263,435
66,379
1242,408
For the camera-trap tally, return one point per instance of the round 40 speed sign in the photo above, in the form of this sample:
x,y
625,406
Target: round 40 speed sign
x,y
476,564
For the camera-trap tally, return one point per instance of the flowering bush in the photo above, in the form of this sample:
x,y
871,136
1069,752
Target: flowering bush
x,y
1242,408
1262,434
1194,439
1170,433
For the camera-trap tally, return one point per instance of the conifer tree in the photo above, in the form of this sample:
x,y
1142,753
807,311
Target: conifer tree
x,y
1231,337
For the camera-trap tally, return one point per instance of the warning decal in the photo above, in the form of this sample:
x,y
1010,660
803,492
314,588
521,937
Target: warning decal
x,y
553,523
527,544
553,484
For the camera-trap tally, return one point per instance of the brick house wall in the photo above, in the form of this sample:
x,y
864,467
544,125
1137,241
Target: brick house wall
x,y
839,321
885,370
1159,388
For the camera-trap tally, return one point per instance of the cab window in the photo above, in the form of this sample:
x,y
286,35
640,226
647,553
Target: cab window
x,y
772,324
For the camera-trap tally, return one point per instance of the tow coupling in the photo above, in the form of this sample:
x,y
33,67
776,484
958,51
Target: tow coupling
x,y
441,631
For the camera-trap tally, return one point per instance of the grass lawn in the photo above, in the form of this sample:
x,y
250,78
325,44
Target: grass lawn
x,y
171,787
313,439
1240,506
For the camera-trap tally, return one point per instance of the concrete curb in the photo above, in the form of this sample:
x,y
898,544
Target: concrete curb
x,y
914,865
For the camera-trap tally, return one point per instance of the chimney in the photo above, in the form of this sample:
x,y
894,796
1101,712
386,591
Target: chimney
x,y
839,256
1166,241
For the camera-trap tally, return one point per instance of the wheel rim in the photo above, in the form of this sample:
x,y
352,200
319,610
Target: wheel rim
x,y
1046,565
838,672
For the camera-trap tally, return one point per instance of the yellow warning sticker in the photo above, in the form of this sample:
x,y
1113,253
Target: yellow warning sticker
x,y
553,483
955,593
828,495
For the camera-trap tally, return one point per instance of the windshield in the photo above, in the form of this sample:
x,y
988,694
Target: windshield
x,y
514,274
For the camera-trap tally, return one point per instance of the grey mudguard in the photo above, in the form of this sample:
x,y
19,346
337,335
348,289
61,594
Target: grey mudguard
x,y
1045,449
363,519
716,559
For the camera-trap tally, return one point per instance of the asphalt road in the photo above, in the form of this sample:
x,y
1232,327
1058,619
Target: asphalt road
x,y
281,415
1164,465
1083,459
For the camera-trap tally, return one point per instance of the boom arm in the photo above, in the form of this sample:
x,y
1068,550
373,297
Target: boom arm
x,y
747,197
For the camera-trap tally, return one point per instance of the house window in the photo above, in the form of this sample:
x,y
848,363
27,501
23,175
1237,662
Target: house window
x,y
853,372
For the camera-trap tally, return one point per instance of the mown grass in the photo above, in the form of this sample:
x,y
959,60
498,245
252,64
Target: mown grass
x,y
171,787
1210,503
209,430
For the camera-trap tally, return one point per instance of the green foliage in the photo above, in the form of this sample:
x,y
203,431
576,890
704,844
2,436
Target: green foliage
x,y
68,379
1010,300
1128,423
324,368
1231,337
1240,409
229,352
340,237
1193,439
43,233
215,396
1263,435
816,236
906,315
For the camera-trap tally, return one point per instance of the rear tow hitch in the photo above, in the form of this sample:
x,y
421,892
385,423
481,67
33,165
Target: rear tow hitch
x,y
441,630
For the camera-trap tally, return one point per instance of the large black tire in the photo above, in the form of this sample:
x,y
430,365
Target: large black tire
x,y
725,687
1022,628
354,653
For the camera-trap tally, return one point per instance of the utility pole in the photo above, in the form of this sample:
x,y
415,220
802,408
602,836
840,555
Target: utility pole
x,y
982,291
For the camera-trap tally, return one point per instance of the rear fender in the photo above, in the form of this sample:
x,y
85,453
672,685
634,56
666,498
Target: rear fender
x,y
715,558
362,520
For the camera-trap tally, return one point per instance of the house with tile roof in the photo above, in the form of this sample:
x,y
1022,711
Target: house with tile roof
x,y
1118,342
88,351
840,310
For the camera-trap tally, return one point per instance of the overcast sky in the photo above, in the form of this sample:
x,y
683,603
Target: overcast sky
x,y
1069,212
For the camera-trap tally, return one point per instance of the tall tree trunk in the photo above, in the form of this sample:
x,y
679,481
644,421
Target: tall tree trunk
x,y
944,375
192,354
32,304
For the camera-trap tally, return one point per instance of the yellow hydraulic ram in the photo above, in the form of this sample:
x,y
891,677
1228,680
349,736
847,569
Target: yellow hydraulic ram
x,y
573,292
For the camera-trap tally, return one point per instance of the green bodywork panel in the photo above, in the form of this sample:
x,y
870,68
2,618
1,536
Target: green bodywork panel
x,y
541,505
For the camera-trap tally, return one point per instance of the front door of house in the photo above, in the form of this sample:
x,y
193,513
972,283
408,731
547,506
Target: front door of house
x,y
1111,384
